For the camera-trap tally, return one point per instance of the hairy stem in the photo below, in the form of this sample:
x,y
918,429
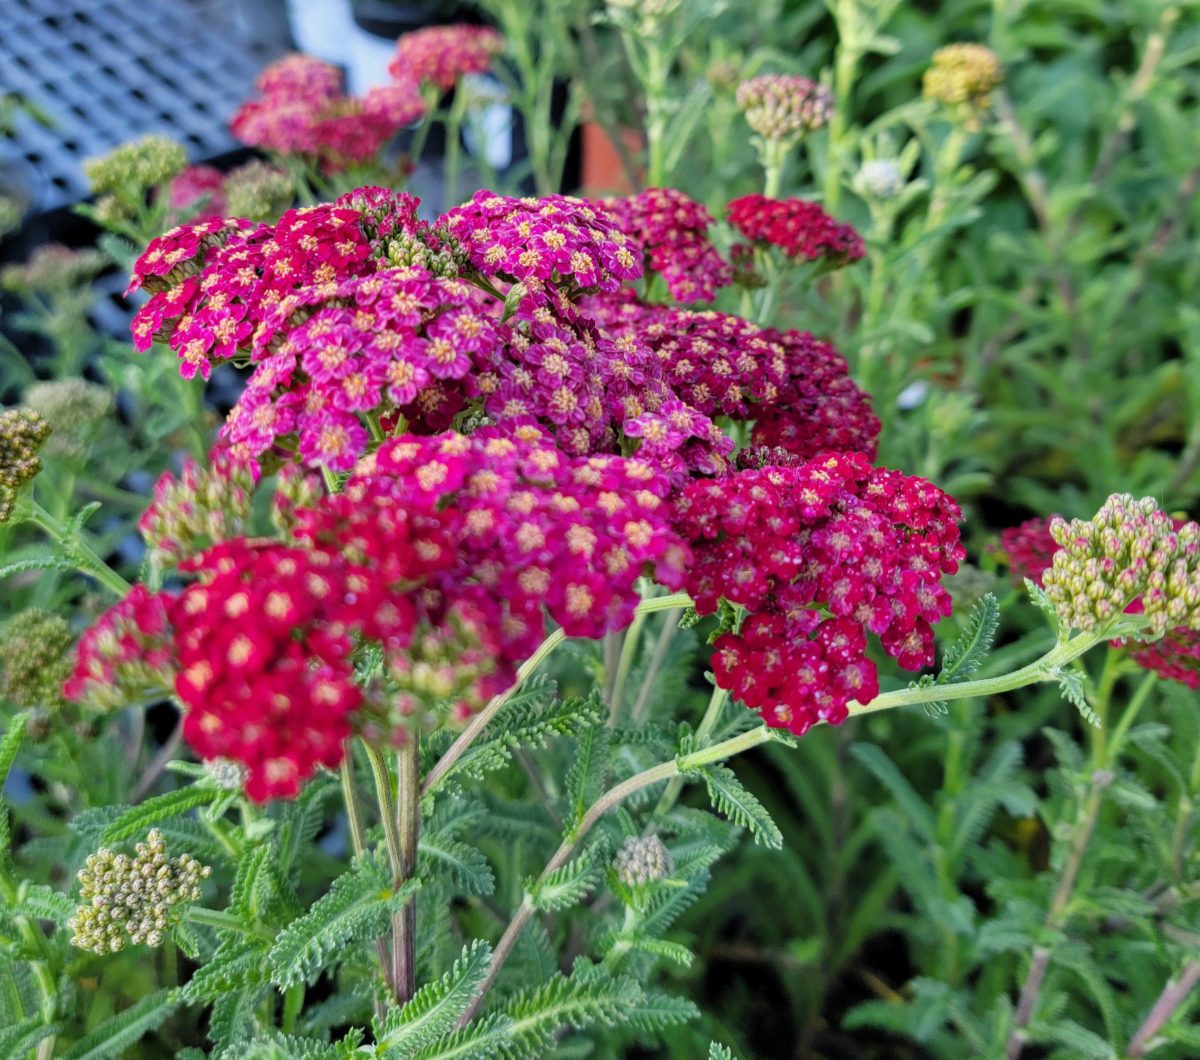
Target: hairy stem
x,y
404,923
77,549
1174,994
661,647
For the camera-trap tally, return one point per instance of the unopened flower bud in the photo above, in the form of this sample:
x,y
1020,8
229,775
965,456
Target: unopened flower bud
x,y
879,179
22,434
781,108
35,658
642,860
137,166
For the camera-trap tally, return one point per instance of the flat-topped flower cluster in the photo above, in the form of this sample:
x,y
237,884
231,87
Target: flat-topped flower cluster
x,y
509,431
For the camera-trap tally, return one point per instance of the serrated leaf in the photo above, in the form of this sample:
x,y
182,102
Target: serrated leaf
x,y
46,561
40,902
1070,684
462,865
719,1052
235,965
137,820
253,884
76,523
585,778
20,1039
730,797
356,906
964,658
436,1008
126,1028
482,1039
566,886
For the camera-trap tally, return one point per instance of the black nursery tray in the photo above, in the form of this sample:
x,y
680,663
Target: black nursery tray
x,y
107,71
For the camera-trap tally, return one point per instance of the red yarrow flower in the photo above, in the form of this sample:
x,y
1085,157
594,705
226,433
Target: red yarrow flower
x,y
440,55
800,229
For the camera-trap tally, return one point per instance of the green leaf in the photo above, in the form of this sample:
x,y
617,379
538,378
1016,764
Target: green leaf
x,y
659,1010
44,561
235,965
742,807
482,1039
356,906
719,1052
566,886
20,1039
10,743
914,808
76,522
126,1028
466,869
40,902
137,820
1070,684
964,658
234,1019
253,885
585,778
436,1008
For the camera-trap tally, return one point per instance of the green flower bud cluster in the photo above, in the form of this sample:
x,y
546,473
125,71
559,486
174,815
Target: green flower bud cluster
x,y
135,167
642,860
445,258
73,408
35,659
226,774
207,504
53,268
22,434
782,109
1129,551
963,75
133,899
879,179
294,488
258,191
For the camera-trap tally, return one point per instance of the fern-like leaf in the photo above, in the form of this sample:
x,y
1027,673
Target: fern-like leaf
x,y
730,797
126,1028
10,743
585,778
356,906
20,1039
234,966
137,820
436,1008
566,886
963,659
1070,684
716,1051
464,867
481,1039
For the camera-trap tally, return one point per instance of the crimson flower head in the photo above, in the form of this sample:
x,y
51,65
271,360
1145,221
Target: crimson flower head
x,y
802,230
1029,548
818,554
440,55
672,231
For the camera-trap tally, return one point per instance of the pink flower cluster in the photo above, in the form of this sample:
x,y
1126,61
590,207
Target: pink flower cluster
x,y
1029,549
673,233
819,554
557,239
444,550
303,109
196,185
800,229
440,55
796,388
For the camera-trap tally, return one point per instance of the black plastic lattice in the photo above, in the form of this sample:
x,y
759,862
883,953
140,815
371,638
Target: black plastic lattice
x,y
107,71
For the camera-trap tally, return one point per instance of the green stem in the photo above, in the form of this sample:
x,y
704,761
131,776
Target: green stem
x,y
716,704
404,941
223,921
454,122
77,549
662,646
655,775
629,648
845,73
358,844
773,158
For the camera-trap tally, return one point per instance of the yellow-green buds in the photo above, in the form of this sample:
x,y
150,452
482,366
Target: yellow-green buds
x,y
963,76
73,408
134,168
258,191
134,899
1129,554
35,659
22,434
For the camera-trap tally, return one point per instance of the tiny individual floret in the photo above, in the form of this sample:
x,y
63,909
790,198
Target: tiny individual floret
x,y
258,191
782,108
35,658
1129,552
133,168
880,178
22,434
963,76
136,899
440,55
642,860
73,408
